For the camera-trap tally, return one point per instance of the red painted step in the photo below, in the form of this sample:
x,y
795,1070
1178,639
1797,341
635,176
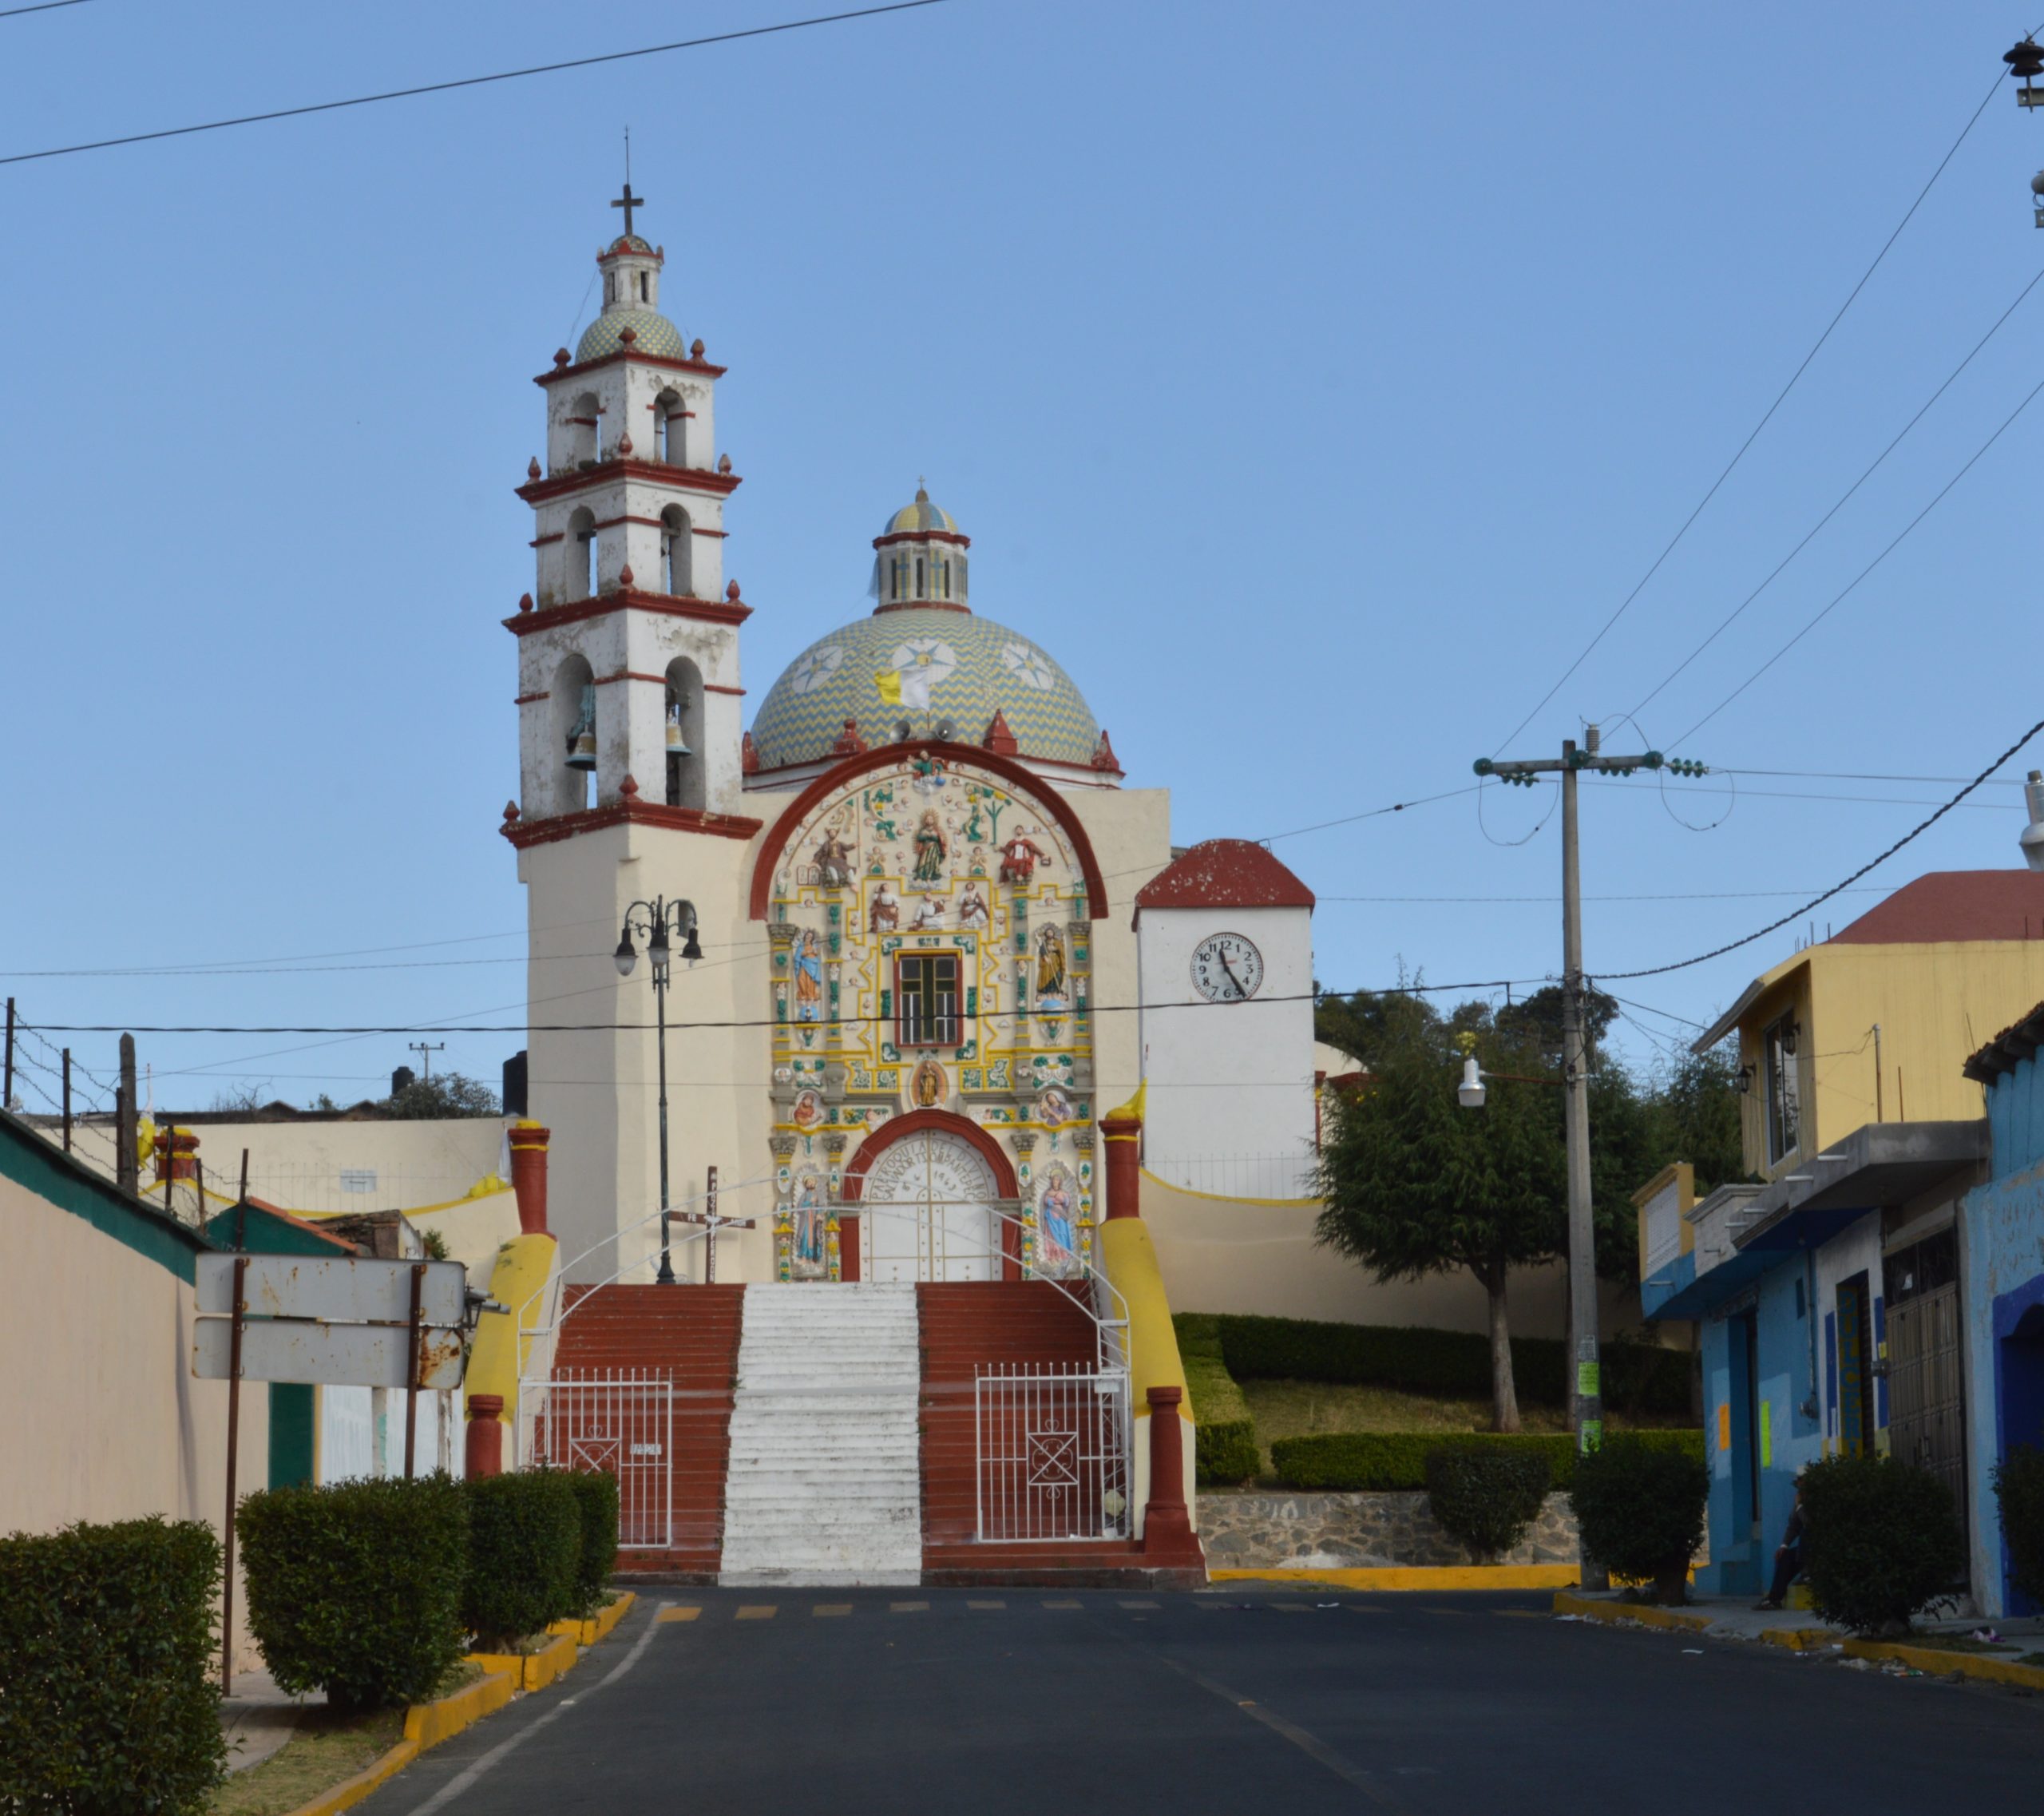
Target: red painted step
x,y
690,1334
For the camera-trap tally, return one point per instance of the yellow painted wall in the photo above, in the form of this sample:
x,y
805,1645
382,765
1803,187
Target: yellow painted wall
x,y
1131,1260
1936,1004
524,1282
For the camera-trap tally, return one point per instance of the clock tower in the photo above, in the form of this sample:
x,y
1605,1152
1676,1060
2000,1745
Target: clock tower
x,y
1224,969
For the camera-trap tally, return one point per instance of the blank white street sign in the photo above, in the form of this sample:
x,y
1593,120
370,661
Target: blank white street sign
x,y
355,1291
331,1355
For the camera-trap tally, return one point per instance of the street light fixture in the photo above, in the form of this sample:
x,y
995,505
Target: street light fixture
x,y
650,921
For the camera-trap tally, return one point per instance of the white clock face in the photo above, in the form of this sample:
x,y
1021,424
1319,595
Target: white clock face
x,y
1227,968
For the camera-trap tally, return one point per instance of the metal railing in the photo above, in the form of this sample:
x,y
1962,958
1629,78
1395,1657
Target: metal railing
x,y
622,1421
1238,1176
1050,1449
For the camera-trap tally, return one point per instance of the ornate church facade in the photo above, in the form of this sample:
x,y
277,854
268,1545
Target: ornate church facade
x,y
938,936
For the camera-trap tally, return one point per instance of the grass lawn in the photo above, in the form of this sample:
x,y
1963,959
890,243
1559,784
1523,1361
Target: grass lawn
x,y
326,1750
1297,1409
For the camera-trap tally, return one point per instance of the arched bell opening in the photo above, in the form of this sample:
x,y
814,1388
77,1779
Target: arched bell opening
x,y
574,743
671,413
677,553
683,734
578,556
584,416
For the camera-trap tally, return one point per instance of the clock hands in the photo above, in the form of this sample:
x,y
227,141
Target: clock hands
x,y
1221,953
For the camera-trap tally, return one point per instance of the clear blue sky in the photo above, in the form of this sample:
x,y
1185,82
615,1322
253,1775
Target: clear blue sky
x,y
1314,380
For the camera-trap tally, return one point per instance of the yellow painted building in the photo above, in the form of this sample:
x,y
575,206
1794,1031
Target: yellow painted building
x,y
1874,1024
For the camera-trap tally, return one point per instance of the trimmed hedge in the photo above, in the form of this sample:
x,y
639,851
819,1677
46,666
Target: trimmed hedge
x,y
1640,1508
1486,1498
595,1494
109,1705
1353,1460
524,1554
1225,1434
1883,1544
355,1588
1638,1378
2019,1491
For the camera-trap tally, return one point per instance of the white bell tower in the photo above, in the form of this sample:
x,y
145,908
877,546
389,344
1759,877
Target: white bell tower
x,y
629,752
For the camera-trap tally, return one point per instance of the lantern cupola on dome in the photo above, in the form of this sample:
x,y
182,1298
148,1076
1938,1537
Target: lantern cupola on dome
x,y
919,559
631,270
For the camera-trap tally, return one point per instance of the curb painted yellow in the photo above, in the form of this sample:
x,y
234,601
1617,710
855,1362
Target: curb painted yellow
x,y
1800,1639
518,1281
1929,1659
1417,1576
1640,1611
535,1671
426,1725
586,1633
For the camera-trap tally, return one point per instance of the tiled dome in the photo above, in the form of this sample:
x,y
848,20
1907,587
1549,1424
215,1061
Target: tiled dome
x,y
972,667
656,334
921,516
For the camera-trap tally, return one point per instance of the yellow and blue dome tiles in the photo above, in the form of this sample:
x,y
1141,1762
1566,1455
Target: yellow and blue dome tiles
x,y
923,663
657,336
920,518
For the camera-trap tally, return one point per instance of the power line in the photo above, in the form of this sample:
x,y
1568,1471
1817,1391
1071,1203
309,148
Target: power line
x,y
1725,623
42,7
1839,598
467,81
1678,895
1915,831
1781,398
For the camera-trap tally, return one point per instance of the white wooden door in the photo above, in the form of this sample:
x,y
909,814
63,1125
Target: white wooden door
x,y
926,1212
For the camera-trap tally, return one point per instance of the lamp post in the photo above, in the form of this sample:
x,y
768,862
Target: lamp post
x,y
651,921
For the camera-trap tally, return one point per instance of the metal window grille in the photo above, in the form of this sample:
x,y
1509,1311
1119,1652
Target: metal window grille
x,y
1052,1444
928,985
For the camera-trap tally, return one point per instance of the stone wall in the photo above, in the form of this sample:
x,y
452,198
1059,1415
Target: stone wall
x,y
1260,1531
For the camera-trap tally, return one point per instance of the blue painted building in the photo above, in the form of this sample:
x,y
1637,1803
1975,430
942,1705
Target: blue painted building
x,y
1798,1290
2004,1290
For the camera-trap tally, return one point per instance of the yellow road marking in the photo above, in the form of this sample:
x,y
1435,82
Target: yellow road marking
x,y
678,1614
757,1610
908,1607
986,1604
823,1609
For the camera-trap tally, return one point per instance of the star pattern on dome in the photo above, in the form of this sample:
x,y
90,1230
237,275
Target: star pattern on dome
x,y
1029,666
814,667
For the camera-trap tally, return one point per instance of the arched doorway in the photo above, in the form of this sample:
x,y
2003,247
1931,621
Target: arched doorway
x,y
930,1189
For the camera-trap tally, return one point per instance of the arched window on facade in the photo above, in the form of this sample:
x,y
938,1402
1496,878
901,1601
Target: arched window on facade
x,y
944,578
684,734
677,552
584,416
572,748
578,556
920,592
644,294
670,414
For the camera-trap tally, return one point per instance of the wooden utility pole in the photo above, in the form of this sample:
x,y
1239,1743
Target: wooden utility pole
x,y
127,1163
67,1100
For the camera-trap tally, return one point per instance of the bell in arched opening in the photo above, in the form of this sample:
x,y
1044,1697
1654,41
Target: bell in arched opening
x,y
677,744
582,739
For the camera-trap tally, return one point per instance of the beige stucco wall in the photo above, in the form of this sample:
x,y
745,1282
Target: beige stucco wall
x,y
104,1421
1227,1255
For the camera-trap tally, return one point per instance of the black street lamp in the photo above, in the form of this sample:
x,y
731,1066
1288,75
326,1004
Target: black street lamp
x,y
653,920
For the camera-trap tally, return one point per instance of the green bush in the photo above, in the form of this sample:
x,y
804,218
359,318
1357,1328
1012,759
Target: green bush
x,y
1882,1542
596,1495
355,1588
1225,1434
1640,1508
1350,1460
524,1554
107,1703
1638,1379
2020,1488
1486,1498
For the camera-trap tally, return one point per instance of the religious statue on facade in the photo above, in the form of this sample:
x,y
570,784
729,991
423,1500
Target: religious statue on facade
x,y
931,848
930,913
927,1087
808,977
972,907
883,915
1050,963
1057,1236
834,861
810,1223
1020,857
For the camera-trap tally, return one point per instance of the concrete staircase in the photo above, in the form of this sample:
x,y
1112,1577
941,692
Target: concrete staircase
x,y
823,1483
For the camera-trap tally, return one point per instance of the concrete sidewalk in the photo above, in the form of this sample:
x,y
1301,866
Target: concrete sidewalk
x,y
1728,1617
258,1717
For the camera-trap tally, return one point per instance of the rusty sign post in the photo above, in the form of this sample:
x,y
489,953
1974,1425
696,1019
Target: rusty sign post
x,y
240,1313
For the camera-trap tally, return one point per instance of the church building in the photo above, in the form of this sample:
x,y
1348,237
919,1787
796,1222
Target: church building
x,y
901,965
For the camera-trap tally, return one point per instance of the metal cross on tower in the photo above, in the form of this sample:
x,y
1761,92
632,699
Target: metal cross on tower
x,y
627,201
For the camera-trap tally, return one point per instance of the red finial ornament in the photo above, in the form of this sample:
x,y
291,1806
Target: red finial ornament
x,y
723,463
748,756
532,467
850,742
560,356
628,789
627,335
625,576
695,350
525,602
1103,755
510,813
624,445
731,592
999,739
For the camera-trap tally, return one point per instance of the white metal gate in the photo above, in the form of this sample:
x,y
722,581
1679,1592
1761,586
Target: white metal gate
x,y
621,1423
1052,1444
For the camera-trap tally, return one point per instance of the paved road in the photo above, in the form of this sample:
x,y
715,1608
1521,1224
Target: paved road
x,y
990,1702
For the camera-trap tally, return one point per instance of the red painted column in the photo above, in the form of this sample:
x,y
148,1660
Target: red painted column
x,y
1166,1525
1122,1135
485,1447
528,1143
176,1153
